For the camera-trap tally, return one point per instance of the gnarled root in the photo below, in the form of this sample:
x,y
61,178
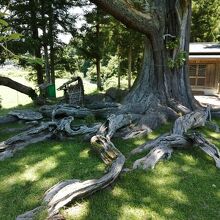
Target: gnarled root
x,y
65,127
191,120
163,145
162,148
67,191
166,140
18,142
206,146
115,122
76,190
153,157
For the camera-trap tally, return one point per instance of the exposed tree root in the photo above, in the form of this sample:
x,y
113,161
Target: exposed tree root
x,y
191,120
25,115
161,148
65,128
206,146
7,119
18,142
67,191
78,189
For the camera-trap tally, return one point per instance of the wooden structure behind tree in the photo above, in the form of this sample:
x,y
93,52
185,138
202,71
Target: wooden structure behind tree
x,y
73,91
204,68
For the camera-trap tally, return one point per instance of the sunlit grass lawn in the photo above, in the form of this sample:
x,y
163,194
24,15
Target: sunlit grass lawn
x,y
185,187
12,98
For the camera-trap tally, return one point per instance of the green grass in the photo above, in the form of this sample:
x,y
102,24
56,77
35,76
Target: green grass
x,y
185,187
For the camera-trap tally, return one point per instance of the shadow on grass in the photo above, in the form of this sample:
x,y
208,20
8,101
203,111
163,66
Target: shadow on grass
x,y
186,187
25,177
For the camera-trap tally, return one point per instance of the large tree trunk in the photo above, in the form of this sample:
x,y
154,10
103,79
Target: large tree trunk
x,y
5,81
164,72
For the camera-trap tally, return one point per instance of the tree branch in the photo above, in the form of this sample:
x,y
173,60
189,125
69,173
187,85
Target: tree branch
x,y
122,10
5,81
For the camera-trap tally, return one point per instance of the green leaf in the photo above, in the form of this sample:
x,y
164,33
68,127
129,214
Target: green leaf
x,y
3,22
3,39
14,36
32,60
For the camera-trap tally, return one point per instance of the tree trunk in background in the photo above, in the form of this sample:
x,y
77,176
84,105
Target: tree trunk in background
x,y
129,67
119,75
98,64
98,72
158,21
51,43
45,41
37,43
5,81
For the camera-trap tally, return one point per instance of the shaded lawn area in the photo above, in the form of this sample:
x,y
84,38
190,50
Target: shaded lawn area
x,y
185,187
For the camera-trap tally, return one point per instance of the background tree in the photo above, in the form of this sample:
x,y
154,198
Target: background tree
x,y
40,23
6,36
205,21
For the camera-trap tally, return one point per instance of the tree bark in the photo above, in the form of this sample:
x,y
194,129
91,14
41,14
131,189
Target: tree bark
x,y
97,59
51,43
45,41
129,67
37,44
5,81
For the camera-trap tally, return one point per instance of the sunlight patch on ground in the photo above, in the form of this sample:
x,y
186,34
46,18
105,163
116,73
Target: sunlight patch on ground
x,y
164,181
178,196
218,194
189,159
134,213
119,192
168,211
78,211
84,153
100,167
35,172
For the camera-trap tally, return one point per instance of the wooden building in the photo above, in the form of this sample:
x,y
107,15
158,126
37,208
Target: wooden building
x,y
204,68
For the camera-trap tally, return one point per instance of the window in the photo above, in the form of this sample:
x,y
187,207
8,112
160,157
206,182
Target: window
x,y
197,74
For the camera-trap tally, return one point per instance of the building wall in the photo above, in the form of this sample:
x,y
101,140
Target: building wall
x,y
204,75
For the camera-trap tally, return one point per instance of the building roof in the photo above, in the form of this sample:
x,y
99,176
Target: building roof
x,y
204,48
205,56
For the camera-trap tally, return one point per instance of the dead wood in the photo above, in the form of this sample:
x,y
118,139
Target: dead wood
x,y
163,146
5,81
7,119
115,122
27,115
80,189
18,142
191,120
79,112
70,190
30,215
209,148
156,154
101,105
65,126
